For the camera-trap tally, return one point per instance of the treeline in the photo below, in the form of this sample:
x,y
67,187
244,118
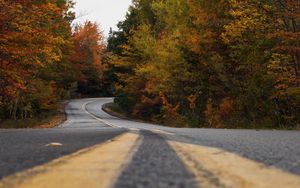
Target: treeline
x,y
43,59
213,63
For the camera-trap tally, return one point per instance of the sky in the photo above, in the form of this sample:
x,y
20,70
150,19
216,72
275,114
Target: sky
x,y
107,13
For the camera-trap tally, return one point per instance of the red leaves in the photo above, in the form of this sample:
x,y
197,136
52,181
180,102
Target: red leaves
x,y
33,36
88,48
86,56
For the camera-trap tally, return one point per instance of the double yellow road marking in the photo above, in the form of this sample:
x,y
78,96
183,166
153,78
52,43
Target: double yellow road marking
x,y
217,168
101,165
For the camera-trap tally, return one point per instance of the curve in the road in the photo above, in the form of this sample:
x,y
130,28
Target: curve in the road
x,y
155,156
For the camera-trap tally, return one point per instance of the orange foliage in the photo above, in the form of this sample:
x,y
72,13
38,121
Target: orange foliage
x,y
88,49
27,41
34,35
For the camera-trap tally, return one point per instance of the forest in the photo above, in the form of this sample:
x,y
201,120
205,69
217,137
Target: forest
x,y
45,59
209,63
182,63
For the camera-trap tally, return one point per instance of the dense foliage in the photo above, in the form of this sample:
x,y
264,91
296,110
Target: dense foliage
x,y
211,63
41,60
88,53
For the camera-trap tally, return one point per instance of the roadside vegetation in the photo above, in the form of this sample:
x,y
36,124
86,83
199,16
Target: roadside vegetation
x,y
182,63
45,59
48,119
200,63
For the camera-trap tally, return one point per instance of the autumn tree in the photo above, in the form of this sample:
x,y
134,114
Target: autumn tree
x,y
263,39
34,37
165,61
209,63
87,57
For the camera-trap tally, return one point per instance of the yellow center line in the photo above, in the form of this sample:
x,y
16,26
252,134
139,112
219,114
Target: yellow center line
x,y
218,168
95,167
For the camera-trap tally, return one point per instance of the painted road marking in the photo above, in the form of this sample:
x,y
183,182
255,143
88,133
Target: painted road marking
x,y
218,168
83,107
95,167
54,144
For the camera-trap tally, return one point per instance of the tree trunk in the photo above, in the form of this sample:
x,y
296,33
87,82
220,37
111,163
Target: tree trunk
x,y
15,108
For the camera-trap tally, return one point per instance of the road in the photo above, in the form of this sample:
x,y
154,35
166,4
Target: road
x,y
122,153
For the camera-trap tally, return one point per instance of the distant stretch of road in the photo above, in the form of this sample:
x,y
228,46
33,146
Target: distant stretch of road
x,y
93,146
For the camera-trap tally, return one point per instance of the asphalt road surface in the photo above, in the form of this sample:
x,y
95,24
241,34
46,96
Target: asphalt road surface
x,y
154,161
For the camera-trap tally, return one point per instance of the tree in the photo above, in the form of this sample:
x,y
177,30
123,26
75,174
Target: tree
x,y
263,41
209,63
87,56
34,35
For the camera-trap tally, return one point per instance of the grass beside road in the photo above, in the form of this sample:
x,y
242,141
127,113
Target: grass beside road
x,y
44,120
